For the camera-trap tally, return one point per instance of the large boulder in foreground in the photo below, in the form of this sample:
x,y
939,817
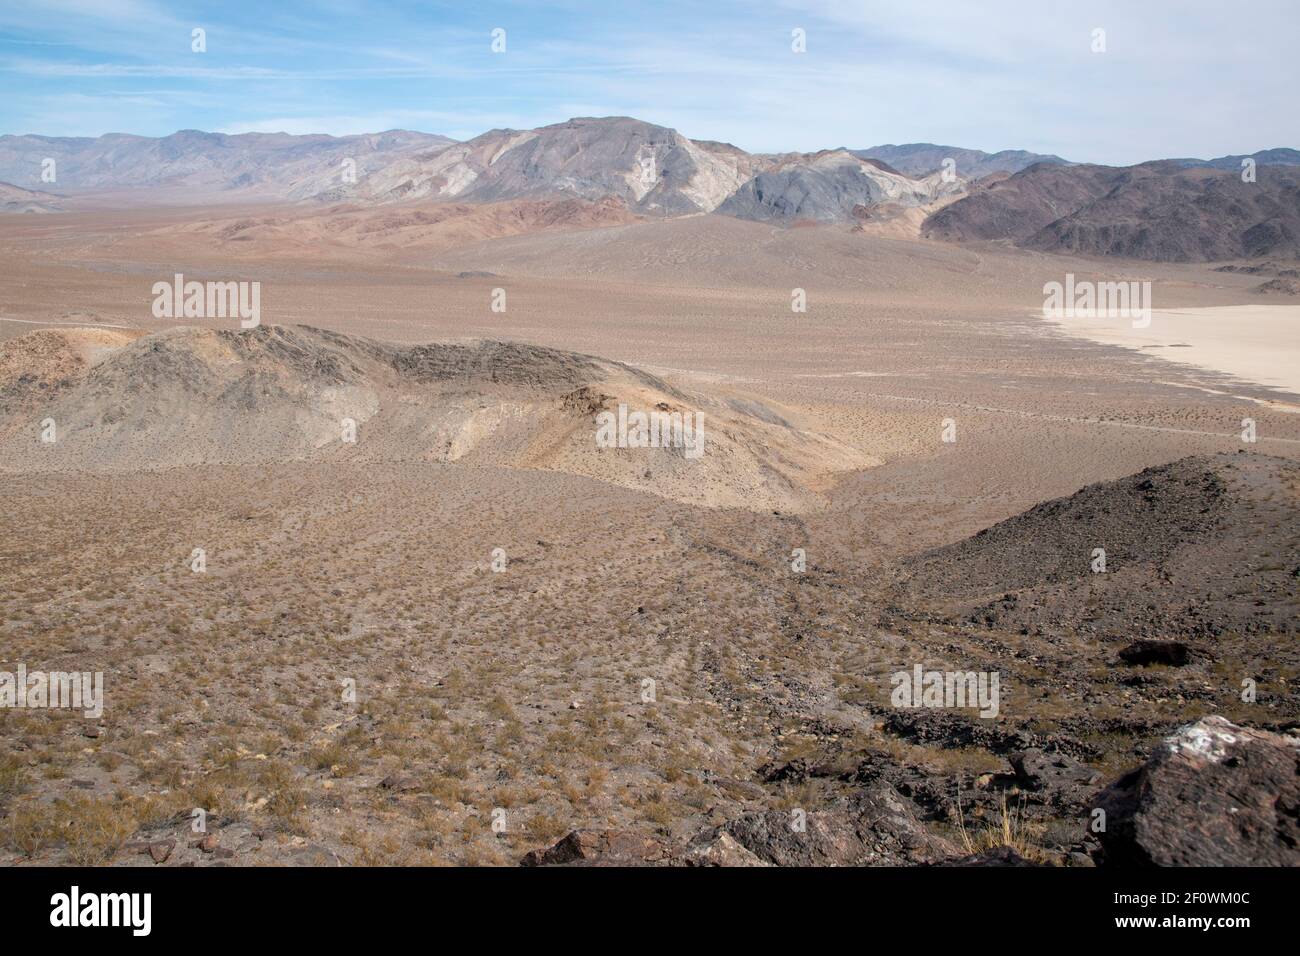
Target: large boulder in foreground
x,y
1214,794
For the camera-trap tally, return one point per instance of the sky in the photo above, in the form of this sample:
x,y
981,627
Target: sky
x,y
1187,78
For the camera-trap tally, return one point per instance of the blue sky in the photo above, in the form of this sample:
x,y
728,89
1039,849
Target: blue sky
x,y
1186,78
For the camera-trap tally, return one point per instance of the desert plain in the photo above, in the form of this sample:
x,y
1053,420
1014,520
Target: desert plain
x,y
471,632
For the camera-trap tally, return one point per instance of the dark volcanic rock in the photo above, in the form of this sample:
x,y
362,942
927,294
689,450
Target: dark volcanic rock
x,y
795,771
602,848
1192,549
1278,287
1060,778
878,828
1214,794
1144,653
994,856
954,731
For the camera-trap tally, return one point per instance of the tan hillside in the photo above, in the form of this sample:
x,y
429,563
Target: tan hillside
x,y
190,396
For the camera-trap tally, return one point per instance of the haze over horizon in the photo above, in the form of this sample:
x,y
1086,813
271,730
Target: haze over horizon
x,y
1014,77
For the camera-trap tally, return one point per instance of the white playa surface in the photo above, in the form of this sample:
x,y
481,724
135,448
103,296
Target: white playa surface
x,y
1256,343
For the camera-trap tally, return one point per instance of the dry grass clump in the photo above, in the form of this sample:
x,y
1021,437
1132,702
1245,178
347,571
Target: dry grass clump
x,y
1011,829
94,830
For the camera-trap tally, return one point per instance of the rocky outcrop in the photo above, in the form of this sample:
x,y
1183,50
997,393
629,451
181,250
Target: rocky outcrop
x,y
877,827
603,848
995,856
1208,525
1214,794
1144,653
1278,287
1056,778
721,849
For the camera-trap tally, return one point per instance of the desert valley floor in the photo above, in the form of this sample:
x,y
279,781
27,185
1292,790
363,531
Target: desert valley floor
x,y
519,696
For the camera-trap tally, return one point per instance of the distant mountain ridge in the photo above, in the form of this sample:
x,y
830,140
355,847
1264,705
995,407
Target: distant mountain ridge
x,y
1162,211
834,186
277,165
653,169
921,159
1166,210
1264,157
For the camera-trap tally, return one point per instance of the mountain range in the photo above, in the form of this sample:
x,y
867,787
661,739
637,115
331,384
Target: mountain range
x,y
1160,211
1168,210
652,169
252,165
920,159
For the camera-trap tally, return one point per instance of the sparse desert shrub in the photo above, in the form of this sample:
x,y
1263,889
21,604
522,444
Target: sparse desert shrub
x,y
13,777
286,799
27,828
216,793
544,827
447,789
325,756
94,829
